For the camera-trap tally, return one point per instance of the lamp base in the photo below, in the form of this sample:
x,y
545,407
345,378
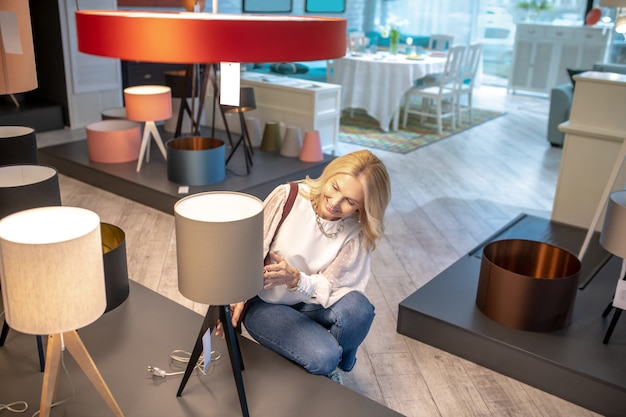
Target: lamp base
x,y
53,359
150,129
214,315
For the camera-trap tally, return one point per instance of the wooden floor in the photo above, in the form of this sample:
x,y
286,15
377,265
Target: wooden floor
x,y
447,198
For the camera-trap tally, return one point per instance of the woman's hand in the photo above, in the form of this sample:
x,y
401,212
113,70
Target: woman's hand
x,y
235,313
280,273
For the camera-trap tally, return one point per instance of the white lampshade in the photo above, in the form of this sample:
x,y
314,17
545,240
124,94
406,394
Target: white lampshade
x,y
51,269
17,54
613,236
219,245
620,24
148,103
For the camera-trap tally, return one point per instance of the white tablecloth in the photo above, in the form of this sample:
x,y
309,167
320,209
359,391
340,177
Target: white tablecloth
x,y
377,83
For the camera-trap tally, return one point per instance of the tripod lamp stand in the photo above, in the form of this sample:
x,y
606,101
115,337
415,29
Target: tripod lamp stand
x,y
52,275
246,103
219,247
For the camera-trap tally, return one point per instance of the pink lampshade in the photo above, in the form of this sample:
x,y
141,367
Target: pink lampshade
x,y
148,102
311,147
113,141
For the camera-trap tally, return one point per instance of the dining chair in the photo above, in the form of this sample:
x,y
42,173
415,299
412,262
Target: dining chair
x,y
467,79
440,42
438,101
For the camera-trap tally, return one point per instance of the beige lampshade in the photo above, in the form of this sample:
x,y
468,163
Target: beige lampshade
x,y
292,142
51,269
613,3
17,55
148,103
219,246
613,236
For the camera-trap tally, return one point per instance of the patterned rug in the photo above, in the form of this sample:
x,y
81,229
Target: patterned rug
x,y
364,130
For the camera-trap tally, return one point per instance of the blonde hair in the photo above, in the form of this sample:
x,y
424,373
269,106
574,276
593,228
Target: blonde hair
x,y
372,173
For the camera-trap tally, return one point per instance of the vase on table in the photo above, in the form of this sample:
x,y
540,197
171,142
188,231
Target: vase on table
x,y
394,37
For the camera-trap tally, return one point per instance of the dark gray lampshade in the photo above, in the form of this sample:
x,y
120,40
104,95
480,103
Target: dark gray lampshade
x,y
247,101
613,236
28,186
219,247
18,145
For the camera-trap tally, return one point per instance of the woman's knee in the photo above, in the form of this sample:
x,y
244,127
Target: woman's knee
x,y
353,308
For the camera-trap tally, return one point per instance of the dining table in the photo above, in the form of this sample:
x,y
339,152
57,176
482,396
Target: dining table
x,y
377,82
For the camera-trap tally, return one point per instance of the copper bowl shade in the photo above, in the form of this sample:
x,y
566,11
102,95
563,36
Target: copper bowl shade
x,y
528,285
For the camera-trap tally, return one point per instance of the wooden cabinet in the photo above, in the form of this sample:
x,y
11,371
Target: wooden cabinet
x,y
543,53
593,137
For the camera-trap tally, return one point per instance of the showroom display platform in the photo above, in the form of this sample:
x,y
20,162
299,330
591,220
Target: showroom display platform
x,y
571,363
143,331
151,185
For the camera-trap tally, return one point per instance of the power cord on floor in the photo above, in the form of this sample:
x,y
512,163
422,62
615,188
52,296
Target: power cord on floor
x,y
15,407
182,357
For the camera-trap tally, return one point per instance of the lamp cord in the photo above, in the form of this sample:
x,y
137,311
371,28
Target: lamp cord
x,y
183,357
15,407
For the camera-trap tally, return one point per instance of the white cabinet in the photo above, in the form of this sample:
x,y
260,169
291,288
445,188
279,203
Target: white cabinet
x,y
593,137
309,105
543,53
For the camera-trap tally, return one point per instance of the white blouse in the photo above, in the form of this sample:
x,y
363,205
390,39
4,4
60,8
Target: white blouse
x,y
329,267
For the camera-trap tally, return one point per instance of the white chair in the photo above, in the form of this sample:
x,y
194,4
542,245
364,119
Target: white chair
x,y
440,42
467,79
433,98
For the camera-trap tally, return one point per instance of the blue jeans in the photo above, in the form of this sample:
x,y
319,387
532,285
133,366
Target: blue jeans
x,y
318,339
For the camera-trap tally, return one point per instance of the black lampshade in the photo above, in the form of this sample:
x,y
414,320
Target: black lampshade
x,y
246,101
18,145
28,186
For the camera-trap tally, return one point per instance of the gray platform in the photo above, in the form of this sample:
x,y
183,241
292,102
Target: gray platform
x,y
151,186
143,331
571,363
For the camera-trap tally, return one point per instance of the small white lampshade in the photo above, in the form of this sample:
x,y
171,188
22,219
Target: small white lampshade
x,y
292,142
219,245
311,147
17,55
253,124
613,236
620,24
148,102
51,269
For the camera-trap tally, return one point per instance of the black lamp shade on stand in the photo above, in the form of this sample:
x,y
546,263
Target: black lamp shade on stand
x,y
18,145
247,103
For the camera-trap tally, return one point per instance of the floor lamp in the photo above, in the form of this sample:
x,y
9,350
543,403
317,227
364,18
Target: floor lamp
x,y
613,239
219,247
53,283
246,103
23,187
148,103
18,73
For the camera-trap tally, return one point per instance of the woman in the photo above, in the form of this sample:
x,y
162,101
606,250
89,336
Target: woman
x,y
312,309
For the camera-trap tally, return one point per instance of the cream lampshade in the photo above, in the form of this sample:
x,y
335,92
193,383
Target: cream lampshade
x,y
219,245
17,55
148,103
52,276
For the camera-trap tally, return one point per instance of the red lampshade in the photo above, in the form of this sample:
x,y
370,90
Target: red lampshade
x,y
148,102
188,38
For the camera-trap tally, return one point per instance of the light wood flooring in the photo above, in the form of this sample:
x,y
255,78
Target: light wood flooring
x,y
447,198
